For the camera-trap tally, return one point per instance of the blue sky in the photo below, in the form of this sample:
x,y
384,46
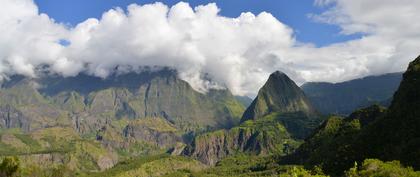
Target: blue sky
x,y
294,13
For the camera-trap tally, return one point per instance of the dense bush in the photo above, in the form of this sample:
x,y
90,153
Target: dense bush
x,y
377,168
301,172
9,166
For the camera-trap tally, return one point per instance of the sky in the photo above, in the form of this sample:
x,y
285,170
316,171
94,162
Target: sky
x,y
236,43
291,12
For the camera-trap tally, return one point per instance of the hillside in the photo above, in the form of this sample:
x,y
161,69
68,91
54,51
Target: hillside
x,y
369,133
126,115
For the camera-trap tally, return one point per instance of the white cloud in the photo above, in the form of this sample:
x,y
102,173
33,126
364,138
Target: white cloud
x,y
239,52
390,35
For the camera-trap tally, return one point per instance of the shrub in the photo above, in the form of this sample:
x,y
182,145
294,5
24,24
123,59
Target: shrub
x,y
9,166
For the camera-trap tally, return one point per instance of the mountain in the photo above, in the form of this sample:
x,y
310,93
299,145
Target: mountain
x,y
282,96
345,97
396,135
279,94
131,96
373,132
121,116
244,100
275,123
126,124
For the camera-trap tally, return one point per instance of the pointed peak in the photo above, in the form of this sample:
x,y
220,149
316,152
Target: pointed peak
x,y
277,74
279,94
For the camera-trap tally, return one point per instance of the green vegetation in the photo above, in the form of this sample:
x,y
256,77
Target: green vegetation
x,y
297,171
377,168
242,165
334,140
127,165
9,166
157,124
265,136
158,165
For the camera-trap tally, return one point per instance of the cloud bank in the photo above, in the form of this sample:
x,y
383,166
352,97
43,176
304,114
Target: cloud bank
x,y
238,53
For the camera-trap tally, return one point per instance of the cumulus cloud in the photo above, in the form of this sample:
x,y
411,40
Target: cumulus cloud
x,y
238,53
390,35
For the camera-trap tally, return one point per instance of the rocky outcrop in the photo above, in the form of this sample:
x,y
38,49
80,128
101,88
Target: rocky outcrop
x,y
263,137
10,117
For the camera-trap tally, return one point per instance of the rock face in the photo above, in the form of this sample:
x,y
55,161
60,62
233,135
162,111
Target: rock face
x,y
345,97
263,137
279,94
10,117
271,124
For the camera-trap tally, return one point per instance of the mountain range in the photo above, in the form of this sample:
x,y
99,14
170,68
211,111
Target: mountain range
x,y
123,115
152,123
345,97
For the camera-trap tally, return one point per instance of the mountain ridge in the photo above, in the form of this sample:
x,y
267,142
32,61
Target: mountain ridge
x,y
344,97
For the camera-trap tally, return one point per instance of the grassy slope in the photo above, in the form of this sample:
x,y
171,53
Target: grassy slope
x,y
158,165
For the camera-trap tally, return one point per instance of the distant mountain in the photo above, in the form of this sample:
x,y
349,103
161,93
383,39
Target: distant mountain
x,y
373,132
276,121
131,96
244,100
345,97
128,114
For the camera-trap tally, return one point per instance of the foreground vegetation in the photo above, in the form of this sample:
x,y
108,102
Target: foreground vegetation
x,y
241,165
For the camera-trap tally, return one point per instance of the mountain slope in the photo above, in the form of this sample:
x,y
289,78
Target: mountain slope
x,y
264,136
131,95
369,133
331,146
273,124
132,114
400,125
345,97
279,94
244,100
